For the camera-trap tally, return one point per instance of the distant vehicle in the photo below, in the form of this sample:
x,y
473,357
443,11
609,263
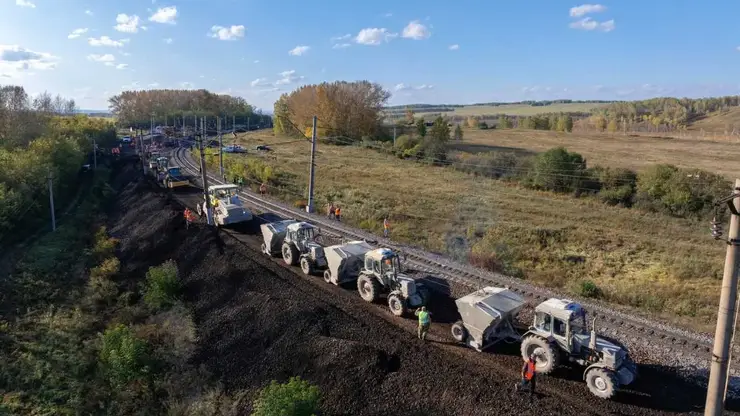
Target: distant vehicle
x,y
234,148
126,139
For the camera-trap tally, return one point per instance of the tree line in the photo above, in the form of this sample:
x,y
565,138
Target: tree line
x,y
40,136
344,109
136,108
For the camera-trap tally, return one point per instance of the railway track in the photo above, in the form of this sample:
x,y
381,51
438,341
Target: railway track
x,y
654,339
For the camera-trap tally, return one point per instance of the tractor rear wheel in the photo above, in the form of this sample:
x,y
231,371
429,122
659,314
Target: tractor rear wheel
x,y
459,333
547,355
327,276
290,254
397,304
199,208
602,382
368,287
306,266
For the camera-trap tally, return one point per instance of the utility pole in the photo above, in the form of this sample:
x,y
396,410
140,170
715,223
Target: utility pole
x,y
719,370
95,155
233,124
394,135
220,146
204,176
309,206
248,124
51,202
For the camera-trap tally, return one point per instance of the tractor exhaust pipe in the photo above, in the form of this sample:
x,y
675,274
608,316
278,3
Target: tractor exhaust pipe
x,y
592,341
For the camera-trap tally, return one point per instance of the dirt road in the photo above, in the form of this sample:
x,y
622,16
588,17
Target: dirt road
x,y
257,320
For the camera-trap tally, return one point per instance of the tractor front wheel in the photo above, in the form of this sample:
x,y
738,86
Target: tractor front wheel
x,y
306,266
368,287
199,208
547,356
603,383
459,333
327,276
397,304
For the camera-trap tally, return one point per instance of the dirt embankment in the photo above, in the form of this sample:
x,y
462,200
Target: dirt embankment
x,y
257,321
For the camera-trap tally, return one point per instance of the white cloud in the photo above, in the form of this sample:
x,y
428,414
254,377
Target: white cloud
x,y
125,53
88,12
340,38
109,64
101,58
168,40
299,50
127,24
121,66
165,15
415,30
25,3
77,33
404,87
153,85
259,82
374,36
227,33
187,85
454,47
585,9
589,24
106,41
388,15
341,45
257,61
288,77
14,58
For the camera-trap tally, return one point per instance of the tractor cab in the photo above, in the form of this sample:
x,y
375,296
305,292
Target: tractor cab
x,y
302,234
225,194
162,163
384,264
561,320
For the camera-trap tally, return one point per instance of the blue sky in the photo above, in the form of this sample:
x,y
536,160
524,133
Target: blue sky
x,y
422,51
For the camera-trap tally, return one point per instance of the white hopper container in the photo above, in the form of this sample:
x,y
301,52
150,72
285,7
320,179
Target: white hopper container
x,y
487,317
273,235
344,261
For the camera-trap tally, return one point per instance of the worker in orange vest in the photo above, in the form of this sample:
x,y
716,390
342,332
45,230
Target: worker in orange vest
x,y
338,213
528,375
189,217
263,188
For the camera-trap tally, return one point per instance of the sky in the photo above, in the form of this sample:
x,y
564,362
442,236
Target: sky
x,y
430,51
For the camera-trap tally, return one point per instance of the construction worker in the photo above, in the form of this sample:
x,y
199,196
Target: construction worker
x,y
528,375
263,188
330,210
425,321
386,227
189,217
338,213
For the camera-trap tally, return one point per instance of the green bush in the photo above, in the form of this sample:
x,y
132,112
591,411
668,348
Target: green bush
x,y
294,398
104,246
679,192
557,170
123,357
162,287
588,289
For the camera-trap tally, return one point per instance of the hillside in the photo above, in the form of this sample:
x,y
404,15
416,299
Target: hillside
x,y
719,122
484,111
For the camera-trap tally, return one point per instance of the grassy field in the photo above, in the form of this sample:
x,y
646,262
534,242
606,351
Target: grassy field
x,y
662,266
719,122
633,152
520,110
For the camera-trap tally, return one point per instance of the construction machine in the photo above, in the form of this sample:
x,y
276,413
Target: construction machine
x,y
560,332
227,207
153,156
487,317
381,273
297,241
174,178
162,163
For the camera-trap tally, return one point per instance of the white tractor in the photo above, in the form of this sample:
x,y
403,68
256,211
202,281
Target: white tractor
x,y
560,332
382,273
227,207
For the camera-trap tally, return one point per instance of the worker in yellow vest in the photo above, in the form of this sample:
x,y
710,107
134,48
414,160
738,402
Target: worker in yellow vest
x,y
425,321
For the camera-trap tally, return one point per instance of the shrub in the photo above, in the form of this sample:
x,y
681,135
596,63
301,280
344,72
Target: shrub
x,y
679,192
107,269
162,287
404,142
588,289
557,170
123,356
104,246
294,398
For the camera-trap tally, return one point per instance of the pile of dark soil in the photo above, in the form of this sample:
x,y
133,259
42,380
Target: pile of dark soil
x,y
257,322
